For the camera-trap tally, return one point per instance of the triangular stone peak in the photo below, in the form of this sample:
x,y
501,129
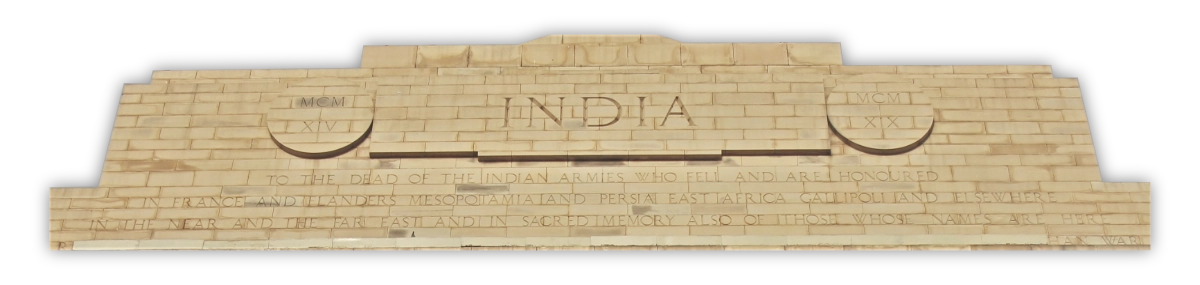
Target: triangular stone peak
x,y
600,38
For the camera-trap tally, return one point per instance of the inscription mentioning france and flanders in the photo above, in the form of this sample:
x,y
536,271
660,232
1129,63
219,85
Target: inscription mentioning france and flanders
x,y
607,199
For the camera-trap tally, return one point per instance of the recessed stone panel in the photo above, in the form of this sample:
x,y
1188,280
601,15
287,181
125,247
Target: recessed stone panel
x,y
880,117
320,117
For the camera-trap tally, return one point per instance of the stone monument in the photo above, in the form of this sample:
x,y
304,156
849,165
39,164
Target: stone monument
x,y
586,142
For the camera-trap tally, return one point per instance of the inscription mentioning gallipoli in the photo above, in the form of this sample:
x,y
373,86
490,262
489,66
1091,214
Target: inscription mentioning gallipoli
x,y
647,220
596,199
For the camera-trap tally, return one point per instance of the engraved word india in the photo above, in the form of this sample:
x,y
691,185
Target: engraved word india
x,y
597,141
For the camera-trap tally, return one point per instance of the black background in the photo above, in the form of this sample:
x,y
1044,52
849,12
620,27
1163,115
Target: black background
x,y
1108,74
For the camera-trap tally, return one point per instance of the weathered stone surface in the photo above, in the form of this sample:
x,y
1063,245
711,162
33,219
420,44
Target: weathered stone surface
x,y
603,142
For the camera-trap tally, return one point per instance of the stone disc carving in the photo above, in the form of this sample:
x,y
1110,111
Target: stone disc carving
x,y
880,117
321,117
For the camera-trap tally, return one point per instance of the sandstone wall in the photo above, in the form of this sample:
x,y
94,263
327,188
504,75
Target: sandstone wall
x,y
725,145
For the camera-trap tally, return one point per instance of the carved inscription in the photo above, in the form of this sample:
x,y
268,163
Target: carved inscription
x,y
879,98
1006,197
880,118
483,221
550,125
882,122
989,219
621,199
320,117
613,115
321,102
608,175
1099,240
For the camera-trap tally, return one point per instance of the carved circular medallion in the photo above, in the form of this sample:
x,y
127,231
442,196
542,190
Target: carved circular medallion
x,y
880,117
321,117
